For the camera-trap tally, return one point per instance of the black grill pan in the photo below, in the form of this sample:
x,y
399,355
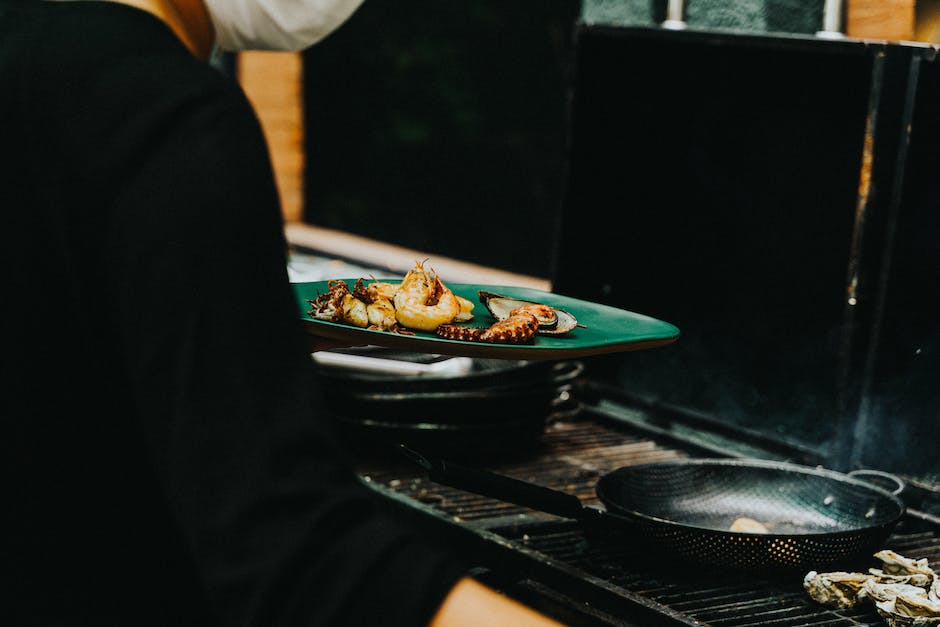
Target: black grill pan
x,y
814,518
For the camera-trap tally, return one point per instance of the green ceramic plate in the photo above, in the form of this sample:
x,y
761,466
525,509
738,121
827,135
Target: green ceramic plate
x,y
606,329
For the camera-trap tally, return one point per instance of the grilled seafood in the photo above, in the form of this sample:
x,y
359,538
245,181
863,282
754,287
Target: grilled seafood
x,y
382,289
519,328
423,302
354,312
362,307
837,589
329,306
901,605
896,564
466,310
552,321
517,321
904,591
381,314
379,308
384,292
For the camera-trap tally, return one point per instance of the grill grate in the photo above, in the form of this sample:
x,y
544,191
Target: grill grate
x,y
571,456
727,598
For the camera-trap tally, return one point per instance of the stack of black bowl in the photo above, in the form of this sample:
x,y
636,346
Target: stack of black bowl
x,y
458,407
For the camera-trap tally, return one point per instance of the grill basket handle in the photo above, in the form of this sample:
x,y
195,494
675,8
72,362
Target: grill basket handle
x,y
498,486
880,479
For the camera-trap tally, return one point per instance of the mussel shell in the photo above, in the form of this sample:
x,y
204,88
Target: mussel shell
x,y
499,306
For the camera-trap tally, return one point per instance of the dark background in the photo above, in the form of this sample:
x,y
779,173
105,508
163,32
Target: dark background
x,y
440,126
734,176
735,165
708,179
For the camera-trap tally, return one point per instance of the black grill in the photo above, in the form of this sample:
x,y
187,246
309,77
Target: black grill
x,y
550,562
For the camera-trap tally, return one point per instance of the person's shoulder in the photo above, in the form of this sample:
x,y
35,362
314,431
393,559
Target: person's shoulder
x,y
125,60
106,79
108,41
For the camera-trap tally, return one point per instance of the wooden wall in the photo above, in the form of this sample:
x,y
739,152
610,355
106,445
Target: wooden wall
x,y
273,82
893,20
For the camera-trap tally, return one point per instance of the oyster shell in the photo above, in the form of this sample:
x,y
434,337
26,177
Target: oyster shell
x,y
837,589
916,605
879,592
896,564
905,591
903,605
552,321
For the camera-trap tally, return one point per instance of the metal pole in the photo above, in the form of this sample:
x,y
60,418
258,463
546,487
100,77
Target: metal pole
x,y
675,15
832,26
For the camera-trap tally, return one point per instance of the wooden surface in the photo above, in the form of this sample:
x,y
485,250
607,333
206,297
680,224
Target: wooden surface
x,y
927,27
399,259
273,82
893,20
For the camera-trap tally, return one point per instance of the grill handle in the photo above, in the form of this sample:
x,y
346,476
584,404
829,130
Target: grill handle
x,y
500,487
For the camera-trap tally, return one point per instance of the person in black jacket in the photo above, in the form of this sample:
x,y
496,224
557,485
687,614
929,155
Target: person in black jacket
x,y
165,459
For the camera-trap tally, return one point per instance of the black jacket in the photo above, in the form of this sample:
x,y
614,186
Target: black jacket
x,y
165,460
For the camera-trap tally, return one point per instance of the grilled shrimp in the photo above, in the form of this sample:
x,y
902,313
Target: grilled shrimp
x,y
423,302
382,289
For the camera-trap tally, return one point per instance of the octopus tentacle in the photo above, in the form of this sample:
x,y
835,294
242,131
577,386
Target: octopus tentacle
x,y
460,333
519,328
